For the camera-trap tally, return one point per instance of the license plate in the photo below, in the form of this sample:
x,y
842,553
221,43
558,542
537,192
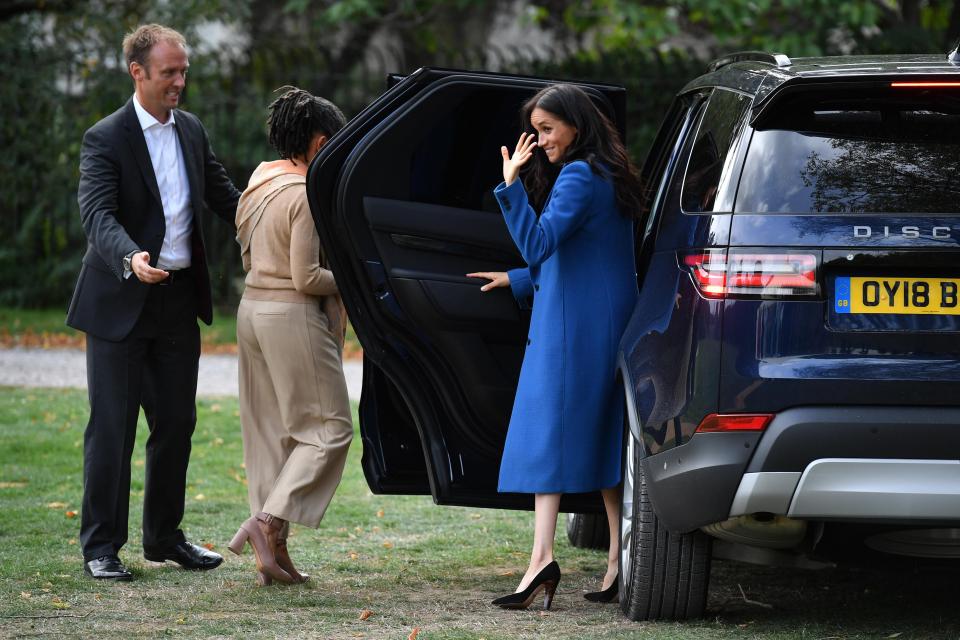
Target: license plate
x,y
919,296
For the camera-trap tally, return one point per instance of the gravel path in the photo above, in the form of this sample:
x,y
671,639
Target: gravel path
x,y
68,368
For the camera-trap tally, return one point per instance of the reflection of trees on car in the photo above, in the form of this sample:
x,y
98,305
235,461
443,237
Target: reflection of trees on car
x,y
866,176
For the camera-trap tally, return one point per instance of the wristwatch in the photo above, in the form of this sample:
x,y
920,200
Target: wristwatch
x,y
128,262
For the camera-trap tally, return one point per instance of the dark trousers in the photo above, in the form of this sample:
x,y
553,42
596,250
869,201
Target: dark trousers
x,y
155,367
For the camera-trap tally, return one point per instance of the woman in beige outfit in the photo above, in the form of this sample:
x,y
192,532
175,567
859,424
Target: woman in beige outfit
x,y
294,410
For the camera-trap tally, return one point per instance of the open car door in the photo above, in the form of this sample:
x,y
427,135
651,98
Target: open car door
x,y
403,201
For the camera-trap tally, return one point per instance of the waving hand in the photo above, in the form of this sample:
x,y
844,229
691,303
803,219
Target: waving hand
x,y
522,154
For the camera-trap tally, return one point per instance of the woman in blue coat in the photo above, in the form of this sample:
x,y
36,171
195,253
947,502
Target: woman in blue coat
x,y
566,428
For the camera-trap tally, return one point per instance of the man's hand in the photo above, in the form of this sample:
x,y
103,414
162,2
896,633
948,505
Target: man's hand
x,y
140,265
521,155
496,278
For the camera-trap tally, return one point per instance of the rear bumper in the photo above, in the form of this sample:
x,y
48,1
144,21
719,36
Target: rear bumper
x,y
841,463
856,489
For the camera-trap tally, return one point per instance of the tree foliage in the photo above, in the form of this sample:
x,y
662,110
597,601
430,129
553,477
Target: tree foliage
x,y
63,72
795,27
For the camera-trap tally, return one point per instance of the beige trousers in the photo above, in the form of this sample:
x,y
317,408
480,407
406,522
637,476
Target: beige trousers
x,y
294,409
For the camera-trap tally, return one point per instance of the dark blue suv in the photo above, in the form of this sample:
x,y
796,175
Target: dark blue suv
x,y
791,370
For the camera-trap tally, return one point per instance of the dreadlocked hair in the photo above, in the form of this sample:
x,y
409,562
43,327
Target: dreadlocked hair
x,y
296,117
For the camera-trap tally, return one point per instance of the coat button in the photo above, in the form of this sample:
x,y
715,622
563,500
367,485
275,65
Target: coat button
x,y
528,341
536,287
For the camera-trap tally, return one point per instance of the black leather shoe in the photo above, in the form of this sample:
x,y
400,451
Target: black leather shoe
x,y
107,568
187,555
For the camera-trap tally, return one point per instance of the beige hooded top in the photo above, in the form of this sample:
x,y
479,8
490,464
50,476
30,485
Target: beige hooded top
x,y
280,247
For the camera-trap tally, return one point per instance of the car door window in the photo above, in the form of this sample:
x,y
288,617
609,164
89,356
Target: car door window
x,y
709,169
456,161
675,146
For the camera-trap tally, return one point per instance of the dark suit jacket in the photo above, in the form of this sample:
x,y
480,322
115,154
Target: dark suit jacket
x,y
121,211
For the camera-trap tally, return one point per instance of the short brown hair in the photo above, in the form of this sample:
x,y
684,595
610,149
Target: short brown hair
x,y
138,43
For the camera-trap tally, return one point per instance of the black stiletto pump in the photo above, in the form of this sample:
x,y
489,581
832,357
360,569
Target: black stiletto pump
x,y
607,595
547,580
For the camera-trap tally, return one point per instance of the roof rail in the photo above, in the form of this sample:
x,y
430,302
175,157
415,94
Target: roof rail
x,y
775,59
954,56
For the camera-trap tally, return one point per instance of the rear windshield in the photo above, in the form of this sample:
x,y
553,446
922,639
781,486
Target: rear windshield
x,y
871,158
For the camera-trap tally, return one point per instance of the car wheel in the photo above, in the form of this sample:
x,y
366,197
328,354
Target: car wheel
x,y
588,530
663,575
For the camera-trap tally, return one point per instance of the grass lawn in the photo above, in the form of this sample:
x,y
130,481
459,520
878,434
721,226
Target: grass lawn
x,y
414,565
45,328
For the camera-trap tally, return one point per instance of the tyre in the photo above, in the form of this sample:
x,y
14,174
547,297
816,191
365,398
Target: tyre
x,y
588,530
663,575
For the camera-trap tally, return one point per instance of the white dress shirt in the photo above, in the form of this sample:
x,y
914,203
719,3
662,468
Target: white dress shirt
x,y
171,171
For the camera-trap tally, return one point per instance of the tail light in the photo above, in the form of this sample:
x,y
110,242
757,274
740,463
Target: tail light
x,y
716,422
720,273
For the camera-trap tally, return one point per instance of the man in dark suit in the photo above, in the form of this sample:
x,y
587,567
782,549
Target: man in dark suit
x,y
146,173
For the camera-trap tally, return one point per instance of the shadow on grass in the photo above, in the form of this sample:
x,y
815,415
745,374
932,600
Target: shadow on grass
x,y
837,603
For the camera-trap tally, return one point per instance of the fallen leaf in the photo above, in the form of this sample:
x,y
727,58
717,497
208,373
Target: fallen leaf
x,y
544,614
72,541
97,596
59,604
366,613
215,408
208,546
199,496
57,505
388,545
506,574
413,634
12,485
354,555
375,529
380,513
71,514
218,441
475,516
26,595
895,635
181,620
138,462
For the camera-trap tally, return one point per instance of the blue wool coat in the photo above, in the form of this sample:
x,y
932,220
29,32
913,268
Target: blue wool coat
x,y
566,428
